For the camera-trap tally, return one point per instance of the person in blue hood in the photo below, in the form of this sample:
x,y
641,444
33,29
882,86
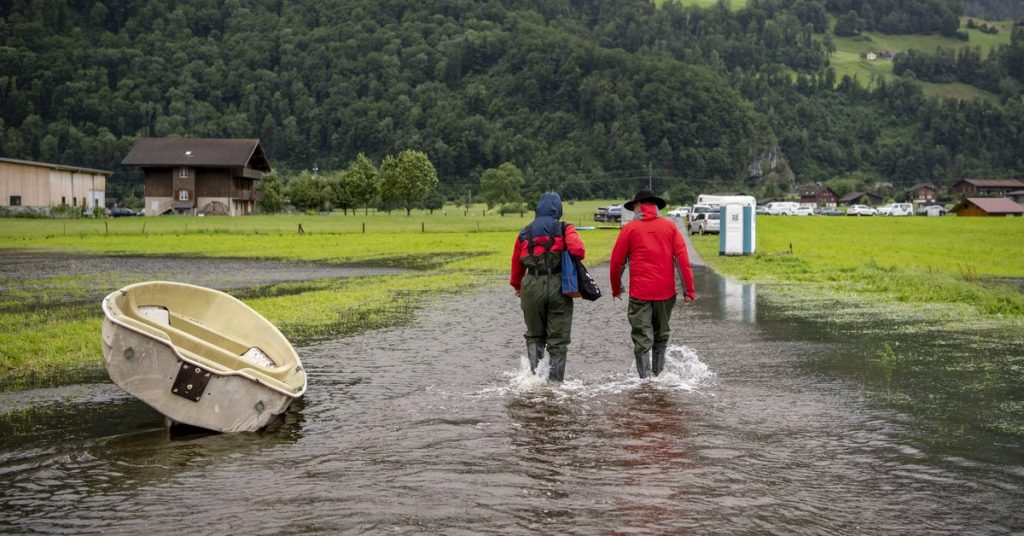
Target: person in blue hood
x,y
536,278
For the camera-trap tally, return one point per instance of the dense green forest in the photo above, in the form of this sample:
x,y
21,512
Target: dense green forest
x,y
590,97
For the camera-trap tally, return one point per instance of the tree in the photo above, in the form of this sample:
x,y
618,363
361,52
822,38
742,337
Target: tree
x,y
305,191
362,182
502,185
273,194
407,178
847,25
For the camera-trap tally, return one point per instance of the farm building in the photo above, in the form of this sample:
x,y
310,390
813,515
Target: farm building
x,y
817,195
989,206
991,187
42,186
861,198
1017,196
199,175
921,194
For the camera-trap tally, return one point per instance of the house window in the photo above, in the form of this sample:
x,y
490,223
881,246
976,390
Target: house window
x,y
74,201
182,195
63,200
15,200
183,172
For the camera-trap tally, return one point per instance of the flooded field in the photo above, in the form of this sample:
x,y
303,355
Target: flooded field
x,y
763,423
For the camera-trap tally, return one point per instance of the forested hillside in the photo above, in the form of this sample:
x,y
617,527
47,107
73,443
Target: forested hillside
x,y
588,97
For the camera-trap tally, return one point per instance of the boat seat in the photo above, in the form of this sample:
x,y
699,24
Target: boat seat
x,y
205,344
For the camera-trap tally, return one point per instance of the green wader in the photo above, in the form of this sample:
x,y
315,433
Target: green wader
x,y
649,320
547,312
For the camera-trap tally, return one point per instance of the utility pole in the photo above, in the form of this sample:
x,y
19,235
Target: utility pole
x,y
649,177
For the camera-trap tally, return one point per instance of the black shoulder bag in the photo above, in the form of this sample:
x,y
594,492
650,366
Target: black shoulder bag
x,y
587,286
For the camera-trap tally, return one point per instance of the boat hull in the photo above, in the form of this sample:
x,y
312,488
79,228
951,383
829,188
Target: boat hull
x,y
147,369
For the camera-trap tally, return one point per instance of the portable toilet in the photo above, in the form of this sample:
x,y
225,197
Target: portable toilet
x,y
737,225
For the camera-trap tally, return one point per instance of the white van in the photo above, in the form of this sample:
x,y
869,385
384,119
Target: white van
x,y
783,208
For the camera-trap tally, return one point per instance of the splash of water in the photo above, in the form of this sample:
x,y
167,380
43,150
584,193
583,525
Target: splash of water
x,y
683,370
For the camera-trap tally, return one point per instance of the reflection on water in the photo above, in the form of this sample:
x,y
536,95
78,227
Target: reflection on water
x,y
738,301
438,427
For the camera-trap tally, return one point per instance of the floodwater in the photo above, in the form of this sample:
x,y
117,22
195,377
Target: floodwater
x,y
437,427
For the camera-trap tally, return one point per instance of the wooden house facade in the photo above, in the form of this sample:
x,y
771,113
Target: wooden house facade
x,y
922,194
200,175
817,195
25,184
993,187
861,198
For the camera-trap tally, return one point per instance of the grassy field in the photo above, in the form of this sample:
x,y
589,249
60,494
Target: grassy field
x,y
966,261
41,336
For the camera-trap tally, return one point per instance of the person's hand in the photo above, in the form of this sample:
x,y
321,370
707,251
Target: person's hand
x,y
517,293
687,299
617,296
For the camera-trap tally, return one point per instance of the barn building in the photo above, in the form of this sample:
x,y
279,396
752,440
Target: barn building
x,y
993,187
200,175
989,206
817,195
42,186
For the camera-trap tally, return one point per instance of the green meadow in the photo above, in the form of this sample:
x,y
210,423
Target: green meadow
x,y
46,330
962,262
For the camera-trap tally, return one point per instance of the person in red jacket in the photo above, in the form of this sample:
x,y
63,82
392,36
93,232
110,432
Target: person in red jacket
x,y
537,280
654,249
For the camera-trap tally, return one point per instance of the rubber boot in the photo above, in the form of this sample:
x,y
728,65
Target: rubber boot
x,y
643,364
557,371
534,352
658,361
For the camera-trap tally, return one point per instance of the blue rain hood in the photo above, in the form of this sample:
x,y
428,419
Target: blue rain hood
x,y
545,223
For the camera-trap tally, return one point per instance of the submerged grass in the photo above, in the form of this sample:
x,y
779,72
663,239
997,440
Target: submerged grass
x,y
46,331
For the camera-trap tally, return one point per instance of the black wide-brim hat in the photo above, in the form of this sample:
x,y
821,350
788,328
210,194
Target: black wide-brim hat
x,y
644,196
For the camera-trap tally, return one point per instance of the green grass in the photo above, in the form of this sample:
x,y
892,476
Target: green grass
x,y
59,333
956,261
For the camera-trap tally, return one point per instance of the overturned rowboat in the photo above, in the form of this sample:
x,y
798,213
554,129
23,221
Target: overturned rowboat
x,y
199,356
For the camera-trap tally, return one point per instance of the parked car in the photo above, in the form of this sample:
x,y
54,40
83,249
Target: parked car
x,y
938,210
829,211
861,210
701,209
896,209
761,209
679,212
601,214
117,212
782,208
705,222
803,211
615,213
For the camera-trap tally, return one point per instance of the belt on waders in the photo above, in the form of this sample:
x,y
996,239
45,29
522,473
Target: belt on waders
x,y
546,271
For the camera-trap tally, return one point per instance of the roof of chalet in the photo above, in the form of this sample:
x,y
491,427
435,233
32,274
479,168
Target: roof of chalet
x,y
814,190
920,185
994,183
198,152
995,205
58,167
853,196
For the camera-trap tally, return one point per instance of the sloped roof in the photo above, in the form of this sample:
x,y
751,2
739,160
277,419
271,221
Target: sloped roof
x,y
853,196
197,152
995,183
996,205
813,190
58,167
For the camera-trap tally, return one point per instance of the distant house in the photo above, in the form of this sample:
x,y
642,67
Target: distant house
x,y
199,175
861,198
816,195
888,54
1017,196
989,206
992,187
921,193
872,56
25,184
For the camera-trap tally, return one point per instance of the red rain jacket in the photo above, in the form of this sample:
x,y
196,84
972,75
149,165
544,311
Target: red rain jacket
x,y
520,251
650,244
